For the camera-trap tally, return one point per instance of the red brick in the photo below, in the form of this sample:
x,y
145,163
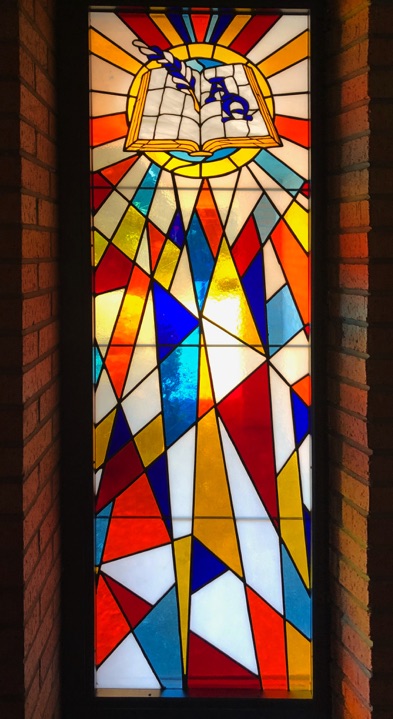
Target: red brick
x,y
31,627
29,209
36,310
349,306
48,275
26,67
33,657
33,110
357,707
36,378
49,462
29,277
44,87
36,445
354,276
30,561
30,489
49,593
49,400
49,653
349,548
36,580
30,347
46,150
48,337
47,213
352,122
351,608
356,26
30,419
354,490
32,40
34,177
36,243
352,245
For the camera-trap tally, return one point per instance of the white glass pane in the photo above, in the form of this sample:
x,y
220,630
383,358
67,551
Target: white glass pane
x,y
219,614
149,574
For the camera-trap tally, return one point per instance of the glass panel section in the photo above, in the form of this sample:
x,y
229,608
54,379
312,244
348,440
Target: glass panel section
x,y
200,187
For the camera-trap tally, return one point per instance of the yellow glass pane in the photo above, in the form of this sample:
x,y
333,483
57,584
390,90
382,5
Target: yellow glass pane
x,y
174,164
191,171
101,438
106,49
290,54
106,310
129,233
243,156
199,49
298,220
206,400
167,264
219,535
212,498
150,441
233,29
167,28
99,246
182,549
226,303
218,167
222,54
299,659
291,513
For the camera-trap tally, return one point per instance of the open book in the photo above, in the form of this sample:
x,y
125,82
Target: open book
x,y
199,112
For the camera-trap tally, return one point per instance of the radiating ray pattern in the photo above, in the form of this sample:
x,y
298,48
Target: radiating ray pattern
x,y
201,367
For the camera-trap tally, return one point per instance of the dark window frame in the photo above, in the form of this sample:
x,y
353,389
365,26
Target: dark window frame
x,y
78,699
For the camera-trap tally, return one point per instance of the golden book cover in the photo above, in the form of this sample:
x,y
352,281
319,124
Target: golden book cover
x,y
199,111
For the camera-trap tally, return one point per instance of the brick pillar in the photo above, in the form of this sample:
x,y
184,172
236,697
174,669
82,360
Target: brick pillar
x,y
30,570
360,105
380,363
348,224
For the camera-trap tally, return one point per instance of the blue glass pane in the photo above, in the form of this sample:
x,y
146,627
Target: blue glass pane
x,y
283,319
102,522
158,635
220,26
266,217
174,322
297,599
205,566
254,287
179,383
143,198
97,364
121,434
201,258
190,29
301,417
177,21
158,478
176,231
281,173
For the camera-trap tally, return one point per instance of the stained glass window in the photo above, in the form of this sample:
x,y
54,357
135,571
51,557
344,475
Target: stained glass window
x,y
200,185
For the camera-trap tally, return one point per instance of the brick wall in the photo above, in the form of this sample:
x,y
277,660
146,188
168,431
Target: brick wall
x,y
29,364
360,108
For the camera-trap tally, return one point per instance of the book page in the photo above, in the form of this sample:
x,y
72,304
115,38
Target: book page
x,y
168,113
220,88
